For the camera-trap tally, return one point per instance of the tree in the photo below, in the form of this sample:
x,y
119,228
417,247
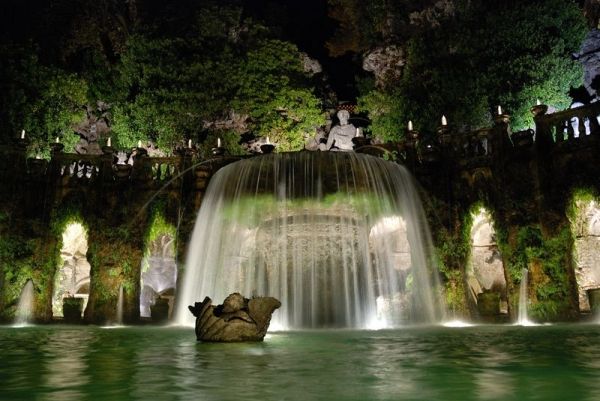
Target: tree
x,y
43,100
466,65
184,85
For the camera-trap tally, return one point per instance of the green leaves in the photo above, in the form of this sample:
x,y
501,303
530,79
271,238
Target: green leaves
x,y
45,101
177,88
509,55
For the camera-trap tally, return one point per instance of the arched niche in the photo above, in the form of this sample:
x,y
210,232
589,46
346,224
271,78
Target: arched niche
x,y
158,277
390,233
485,270
72,278
586,229
388,238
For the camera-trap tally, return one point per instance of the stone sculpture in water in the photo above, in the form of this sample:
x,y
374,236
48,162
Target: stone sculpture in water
x,y
238,319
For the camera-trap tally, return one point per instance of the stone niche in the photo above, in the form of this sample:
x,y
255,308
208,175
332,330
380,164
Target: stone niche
x,y
485,271
158,278
73,277
586,229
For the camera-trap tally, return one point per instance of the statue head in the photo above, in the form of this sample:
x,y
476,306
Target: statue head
x,y
343,116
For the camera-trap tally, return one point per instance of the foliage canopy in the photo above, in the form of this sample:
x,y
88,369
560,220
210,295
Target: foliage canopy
x,y
480,57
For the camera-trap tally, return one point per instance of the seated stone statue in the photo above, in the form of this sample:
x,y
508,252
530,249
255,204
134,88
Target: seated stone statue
x,y
340,136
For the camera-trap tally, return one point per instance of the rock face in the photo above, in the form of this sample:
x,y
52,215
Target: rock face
x,y
238,319
384,62
589,57
95,126
431,16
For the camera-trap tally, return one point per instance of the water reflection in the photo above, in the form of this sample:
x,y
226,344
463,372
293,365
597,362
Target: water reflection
x,y
477,363
492,381
65,364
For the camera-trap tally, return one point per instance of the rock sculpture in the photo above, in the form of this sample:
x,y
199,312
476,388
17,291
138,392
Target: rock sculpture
x,y
237,319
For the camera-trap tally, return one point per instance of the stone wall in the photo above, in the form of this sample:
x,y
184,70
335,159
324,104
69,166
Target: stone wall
x,y
524,181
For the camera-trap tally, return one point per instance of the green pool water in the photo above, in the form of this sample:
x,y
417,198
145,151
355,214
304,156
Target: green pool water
x,y
560,362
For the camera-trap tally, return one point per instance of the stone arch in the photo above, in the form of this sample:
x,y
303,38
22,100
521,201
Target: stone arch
x,y
72,277
585,223
389,236
485,270
158,275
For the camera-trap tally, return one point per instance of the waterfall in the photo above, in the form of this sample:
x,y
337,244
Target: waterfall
x,y
119,315
24,313
523,319
339,238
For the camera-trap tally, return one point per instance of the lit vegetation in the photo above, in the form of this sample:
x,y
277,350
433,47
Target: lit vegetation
x,y
202,74
467,63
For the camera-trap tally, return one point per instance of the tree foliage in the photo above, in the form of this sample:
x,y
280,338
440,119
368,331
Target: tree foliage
x,y
43,100
181,76
481,57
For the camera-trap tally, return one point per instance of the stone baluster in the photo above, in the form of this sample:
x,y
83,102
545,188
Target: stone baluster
x,y
570,130
594,126
582,126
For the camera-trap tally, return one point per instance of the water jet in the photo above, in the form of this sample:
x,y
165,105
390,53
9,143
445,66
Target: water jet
x,y
24,313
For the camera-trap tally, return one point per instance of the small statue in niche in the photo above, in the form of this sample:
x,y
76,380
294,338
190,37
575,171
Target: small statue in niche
x,y
340,136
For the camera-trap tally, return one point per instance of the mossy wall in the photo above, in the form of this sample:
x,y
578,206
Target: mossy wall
x,y
527,189
529,192
120,216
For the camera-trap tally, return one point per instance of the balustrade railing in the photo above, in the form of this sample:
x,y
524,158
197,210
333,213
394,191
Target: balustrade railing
x,y
163,169
75,167
571,125
83,167
475,148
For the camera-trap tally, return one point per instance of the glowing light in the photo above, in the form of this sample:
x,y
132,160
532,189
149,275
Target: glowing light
x,y
526,323
139,144
357,132
57,140
456,323
537,102
499,110
23,134
273,327
444,121
189,143
218,142
108,142
268,141
387,225
377,324
410,125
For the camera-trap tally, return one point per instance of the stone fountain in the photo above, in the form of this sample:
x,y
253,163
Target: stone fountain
x,y
339,237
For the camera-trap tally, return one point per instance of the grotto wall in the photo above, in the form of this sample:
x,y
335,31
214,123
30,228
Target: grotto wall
x,y
525,180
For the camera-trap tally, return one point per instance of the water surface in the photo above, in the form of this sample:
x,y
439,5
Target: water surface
x,y
140,363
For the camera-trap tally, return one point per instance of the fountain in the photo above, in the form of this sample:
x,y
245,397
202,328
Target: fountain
x,y
339,238
24,313
522,319
119,316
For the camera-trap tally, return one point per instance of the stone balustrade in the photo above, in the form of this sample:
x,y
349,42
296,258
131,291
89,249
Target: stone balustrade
x,y
464,149
569,126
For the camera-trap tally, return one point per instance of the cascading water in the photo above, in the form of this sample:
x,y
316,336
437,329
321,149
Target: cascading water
x,y
119,315
523,319
340,238
24,313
